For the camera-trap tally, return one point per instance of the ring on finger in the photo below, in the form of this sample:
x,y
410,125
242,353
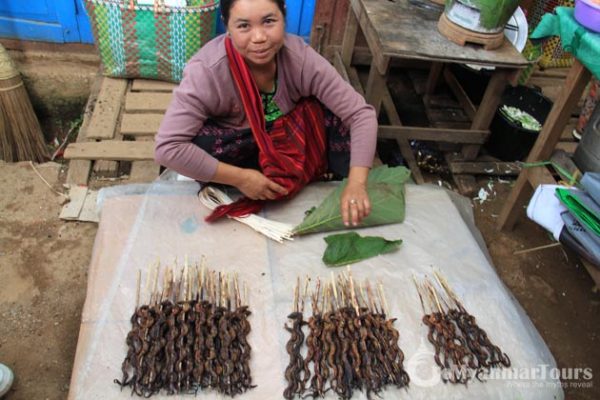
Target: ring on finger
x,y
353,201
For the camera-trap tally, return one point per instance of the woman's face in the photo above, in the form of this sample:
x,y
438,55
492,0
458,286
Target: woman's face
x,y
257,28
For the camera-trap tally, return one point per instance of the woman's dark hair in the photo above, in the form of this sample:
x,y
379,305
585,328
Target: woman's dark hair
x,y
227,4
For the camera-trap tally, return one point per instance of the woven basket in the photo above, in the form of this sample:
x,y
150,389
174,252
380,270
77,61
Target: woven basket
x,y
150,41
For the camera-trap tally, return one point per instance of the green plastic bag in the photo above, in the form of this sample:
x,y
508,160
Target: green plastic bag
x,y
386,192
582,207
348,248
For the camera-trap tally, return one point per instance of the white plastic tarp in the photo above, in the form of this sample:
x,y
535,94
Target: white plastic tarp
x,y
142,224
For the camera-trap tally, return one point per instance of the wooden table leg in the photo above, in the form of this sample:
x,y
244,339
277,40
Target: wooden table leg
x,y
349,39
376,86
487,108
467,185
549,136
404,144
433,77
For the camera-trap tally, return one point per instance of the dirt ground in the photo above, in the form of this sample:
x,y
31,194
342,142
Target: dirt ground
x,y
43,274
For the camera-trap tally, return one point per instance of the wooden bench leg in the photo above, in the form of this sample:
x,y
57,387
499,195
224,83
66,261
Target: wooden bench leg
x,y
487,108
549,136
349,39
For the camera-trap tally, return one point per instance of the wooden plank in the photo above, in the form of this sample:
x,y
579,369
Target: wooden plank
x,y
567,133
433,134
140,124
450,124
460,94
380,60
342,69
447,115
72,209
148,85
89,211
440,101
540,176
405,149
147,102
466,184
568,147
106,169
349,39
550,72
485,168
560,113
376,84
109,168
355,80
144,171
107,109
434,77
79,170
111,150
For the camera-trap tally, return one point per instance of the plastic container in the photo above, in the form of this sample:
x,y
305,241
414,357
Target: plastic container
x,y
587,155
587,13
508,140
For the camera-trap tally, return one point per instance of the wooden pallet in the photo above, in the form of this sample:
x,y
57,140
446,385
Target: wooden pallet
x,y
117,135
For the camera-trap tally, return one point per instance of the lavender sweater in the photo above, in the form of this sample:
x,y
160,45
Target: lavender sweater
x,y
207,91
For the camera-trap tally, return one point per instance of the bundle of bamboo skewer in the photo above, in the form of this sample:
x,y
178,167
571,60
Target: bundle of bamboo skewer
x,y
462,349
191,335
352,344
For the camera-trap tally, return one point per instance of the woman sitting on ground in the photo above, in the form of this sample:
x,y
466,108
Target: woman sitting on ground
x,y
260,110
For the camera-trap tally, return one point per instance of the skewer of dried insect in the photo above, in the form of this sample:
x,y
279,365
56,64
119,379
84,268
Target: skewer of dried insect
x,y
451,353
164,349
487,355
377,375
293,348
395,355
242,331
200,311
344,371
315,354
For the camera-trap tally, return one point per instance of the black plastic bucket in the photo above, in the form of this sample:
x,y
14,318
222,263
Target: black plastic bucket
x,y
508,140
473,81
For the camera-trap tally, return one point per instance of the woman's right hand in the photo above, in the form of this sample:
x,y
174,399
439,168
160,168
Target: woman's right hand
x,y
254,185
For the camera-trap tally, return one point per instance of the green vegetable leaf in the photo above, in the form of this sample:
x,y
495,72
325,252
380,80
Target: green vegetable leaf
x,y
386,192
348,248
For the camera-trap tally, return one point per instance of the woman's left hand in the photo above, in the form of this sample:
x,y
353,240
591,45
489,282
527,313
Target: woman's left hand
x,y
354,201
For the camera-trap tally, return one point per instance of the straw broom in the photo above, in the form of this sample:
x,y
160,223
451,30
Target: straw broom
x,y
21,137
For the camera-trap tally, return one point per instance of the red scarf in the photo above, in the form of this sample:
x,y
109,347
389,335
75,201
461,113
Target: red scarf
x,y
292,154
